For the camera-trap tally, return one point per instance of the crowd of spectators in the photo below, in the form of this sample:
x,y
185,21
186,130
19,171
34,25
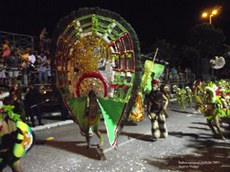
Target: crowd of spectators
x,y
23,66
23,72
177,76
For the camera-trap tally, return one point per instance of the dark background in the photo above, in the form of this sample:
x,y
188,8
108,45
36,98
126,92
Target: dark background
x,y
151,19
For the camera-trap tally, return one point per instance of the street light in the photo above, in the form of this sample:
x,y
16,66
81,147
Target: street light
x,y
210,14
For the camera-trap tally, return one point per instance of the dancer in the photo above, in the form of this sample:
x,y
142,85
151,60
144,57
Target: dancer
x,y
16,137
93,118
157,103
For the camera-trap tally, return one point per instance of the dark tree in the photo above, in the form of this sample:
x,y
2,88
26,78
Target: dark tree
x,y
207,39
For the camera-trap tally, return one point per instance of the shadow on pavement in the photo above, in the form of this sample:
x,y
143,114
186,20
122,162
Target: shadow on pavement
x,y
130,123
200,123
138,136
181,111
78,147
181,134
208,156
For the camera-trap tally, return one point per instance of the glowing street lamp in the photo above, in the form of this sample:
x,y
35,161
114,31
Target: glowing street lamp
x,y
210,14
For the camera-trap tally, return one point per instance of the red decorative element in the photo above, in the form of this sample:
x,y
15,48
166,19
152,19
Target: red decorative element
x,y
92,75
155,82
112,44
113,85
117,126
6,53
130,41
217,92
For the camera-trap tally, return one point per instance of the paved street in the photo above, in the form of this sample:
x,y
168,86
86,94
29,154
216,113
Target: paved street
x,y
190,146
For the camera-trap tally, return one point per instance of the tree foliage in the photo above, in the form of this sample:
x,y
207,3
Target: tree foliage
x,y
207,39
187,55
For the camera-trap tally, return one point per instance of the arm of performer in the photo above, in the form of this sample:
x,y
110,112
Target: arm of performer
x,y
166,102
165,105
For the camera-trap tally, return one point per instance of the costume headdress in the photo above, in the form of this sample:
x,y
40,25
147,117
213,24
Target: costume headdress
x,y
212,92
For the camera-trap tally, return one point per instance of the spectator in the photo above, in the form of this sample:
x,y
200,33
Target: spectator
x,y
24,69
49,73
42,68
32,104
31,59
173,71
174,74
31,65
2,72
167,72
13,62
6,48
187,72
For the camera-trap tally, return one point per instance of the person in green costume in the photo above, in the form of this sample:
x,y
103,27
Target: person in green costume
x,y
212,112
7,135
93,117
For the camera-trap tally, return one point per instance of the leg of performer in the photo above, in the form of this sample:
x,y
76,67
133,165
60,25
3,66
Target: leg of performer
x,y
209,122
155,127
99,135
162,125
87,137
220,132
16,166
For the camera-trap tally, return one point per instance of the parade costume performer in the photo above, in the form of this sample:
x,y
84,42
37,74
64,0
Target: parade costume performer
x,y
93,117
213,111
199,98
151,70
214,106
157,103
16,137
189,95
96,50
181,97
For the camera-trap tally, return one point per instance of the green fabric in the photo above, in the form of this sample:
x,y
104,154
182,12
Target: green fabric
x,y
146,80
149,68
112,112
158,70
78,107
212,92
10,113
148,86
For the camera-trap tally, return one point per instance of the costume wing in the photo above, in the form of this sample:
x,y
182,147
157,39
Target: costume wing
x,y
96,49
16,144
25,139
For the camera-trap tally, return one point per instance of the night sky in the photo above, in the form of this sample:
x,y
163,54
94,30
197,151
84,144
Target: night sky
x,y
151,19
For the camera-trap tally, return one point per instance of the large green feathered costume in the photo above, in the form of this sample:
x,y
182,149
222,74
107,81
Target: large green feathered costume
x,y
96,49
